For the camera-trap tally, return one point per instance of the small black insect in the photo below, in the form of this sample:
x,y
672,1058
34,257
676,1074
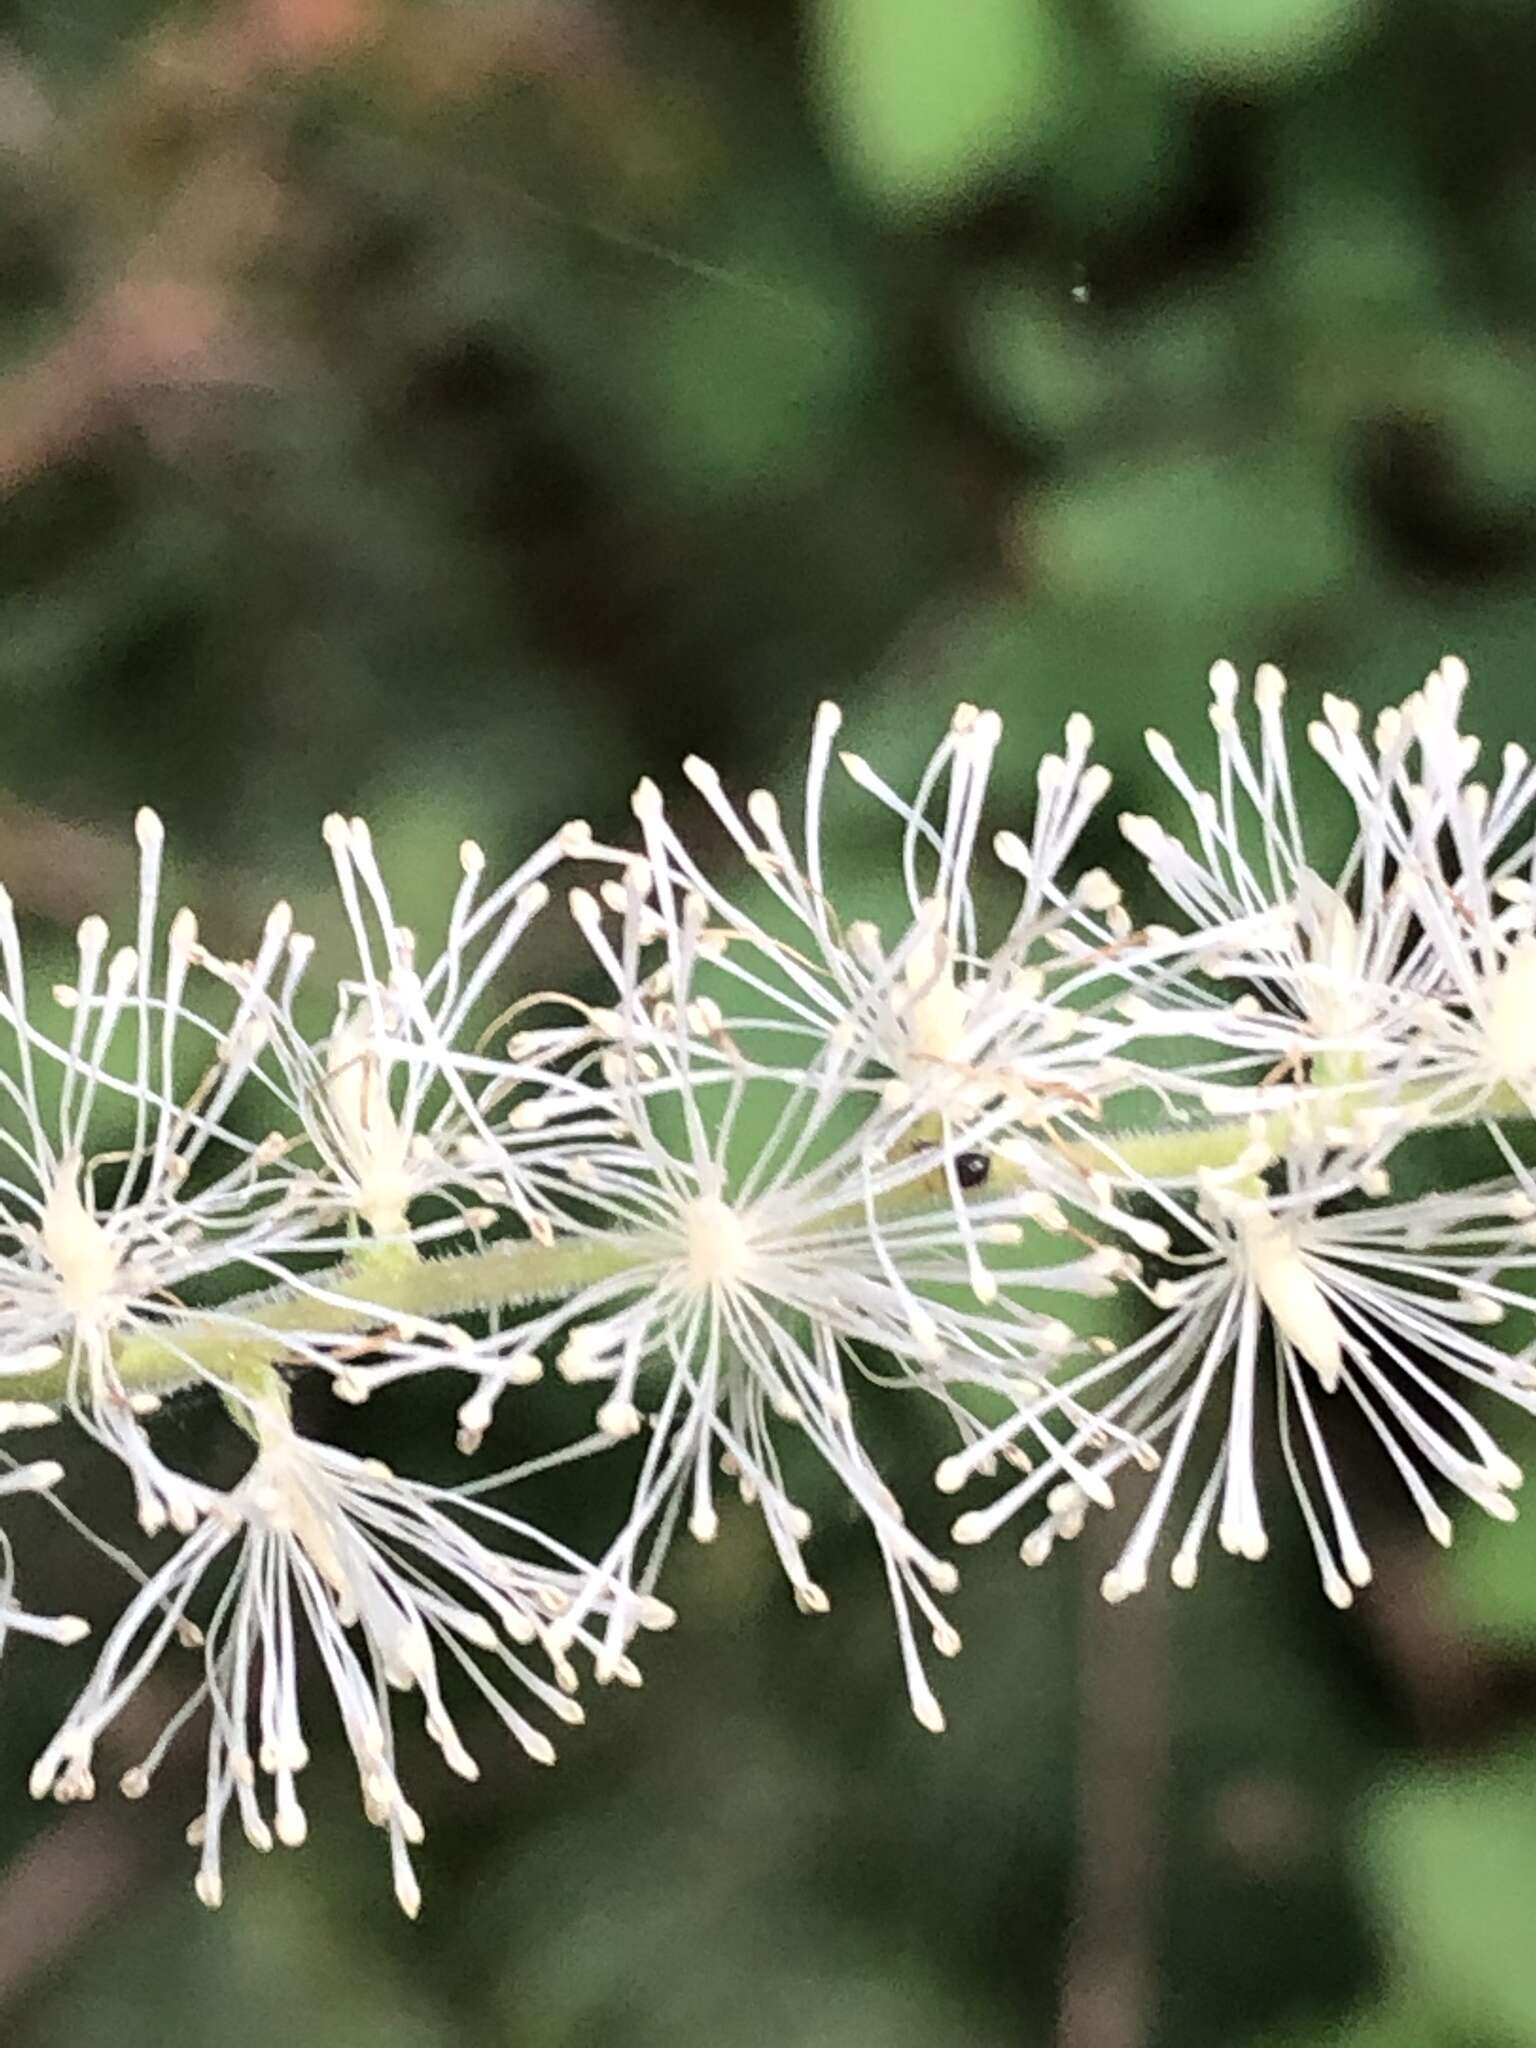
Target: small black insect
x,y
972,1168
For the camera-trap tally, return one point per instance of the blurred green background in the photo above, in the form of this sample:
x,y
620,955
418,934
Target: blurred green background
x,y
454,411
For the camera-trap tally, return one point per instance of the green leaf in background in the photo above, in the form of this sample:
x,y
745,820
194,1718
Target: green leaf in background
x,y
1269,526
926,102
1034,361
1049,368
1452,1859
1479,389
1254,39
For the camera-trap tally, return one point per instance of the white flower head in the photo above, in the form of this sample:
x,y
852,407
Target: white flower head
x,y
1304,977
750,1241
395,1593
1289,1305
391,1108
946,1020
120,1185
1466,855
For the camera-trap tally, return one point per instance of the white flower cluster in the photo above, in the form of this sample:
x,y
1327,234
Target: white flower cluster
x,y
802,1146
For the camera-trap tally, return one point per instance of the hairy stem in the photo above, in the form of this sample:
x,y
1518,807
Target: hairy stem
x,y
239,1344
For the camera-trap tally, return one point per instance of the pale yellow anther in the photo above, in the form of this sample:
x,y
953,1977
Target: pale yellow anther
x,y
76,1245
1292,1294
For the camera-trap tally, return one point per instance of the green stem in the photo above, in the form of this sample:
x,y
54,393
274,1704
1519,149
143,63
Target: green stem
x,y
239,1344
1174,1152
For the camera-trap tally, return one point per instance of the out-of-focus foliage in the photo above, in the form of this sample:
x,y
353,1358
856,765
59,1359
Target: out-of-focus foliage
x,y
453,411
923,115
